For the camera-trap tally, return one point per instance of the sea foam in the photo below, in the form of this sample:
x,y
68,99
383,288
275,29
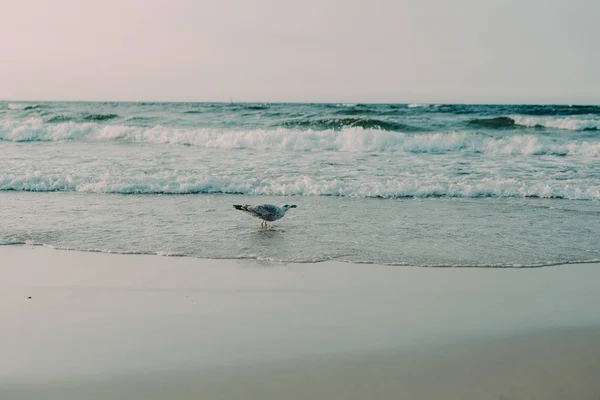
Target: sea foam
x,y
563,123
22,106
345,140
177,184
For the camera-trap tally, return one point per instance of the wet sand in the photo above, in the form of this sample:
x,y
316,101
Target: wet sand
x,y
94,326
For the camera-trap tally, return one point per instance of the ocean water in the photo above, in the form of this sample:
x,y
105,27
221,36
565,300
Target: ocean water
x,y
398,184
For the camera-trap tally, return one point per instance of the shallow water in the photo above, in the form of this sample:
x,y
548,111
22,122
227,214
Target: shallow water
x,y
424,185
420,232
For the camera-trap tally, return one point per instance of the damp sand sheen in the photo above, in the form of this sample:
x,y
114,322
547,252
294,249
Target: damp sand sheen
x,y
94,326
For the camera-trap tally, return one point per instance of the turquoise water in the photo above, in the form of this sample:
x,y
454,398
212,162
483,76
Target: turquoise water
x,y
423,185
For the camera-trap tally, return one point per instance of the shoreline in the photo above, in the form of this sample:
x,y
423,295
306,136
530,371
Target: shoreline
x,y
96,325
300,262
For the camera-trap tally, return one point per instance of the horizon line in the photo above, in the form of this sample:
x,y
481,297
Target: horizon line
x,y
575,104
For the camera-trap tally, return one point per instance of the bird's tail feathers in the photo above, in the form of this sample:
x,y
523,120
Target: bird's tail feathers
x,y
240,207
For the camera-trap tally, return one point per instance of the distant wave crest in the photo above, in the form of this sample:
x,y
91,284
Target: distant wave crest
x,y
496,122
81,118
562,123
22,106
99,117
557,109
347,122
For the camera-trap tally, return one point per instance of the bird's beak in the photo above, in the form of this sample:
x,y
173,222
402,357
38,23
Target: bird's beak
x,y
293,206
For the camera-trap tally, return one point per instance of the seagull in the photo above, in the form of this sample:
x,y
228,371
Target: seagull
x,y
266,212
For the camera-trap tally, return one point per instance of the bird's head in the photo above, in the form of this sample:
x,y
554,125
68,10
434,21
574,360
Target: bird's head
x,y
286,207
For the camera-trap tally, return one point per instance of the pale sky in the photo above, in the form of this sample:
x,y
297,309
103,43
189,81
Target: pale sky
x,y
457,51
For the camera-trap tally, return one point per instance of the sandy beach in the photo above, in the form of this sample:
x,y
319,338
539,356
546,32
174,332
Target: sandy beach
x,y
327,200
79,325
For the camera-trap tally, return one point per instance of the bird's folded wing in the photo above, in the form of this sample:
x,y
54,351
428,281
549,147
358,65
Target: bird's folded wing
x,y
265,210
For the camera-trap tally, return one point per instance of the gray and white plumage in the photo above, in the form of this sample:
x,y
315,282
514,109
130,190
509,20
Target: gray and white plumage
x,y
266,212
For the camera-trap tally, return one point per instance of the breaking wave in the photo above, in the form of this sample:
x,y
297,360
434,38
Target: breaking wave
x,y
176,184
355,139
568,123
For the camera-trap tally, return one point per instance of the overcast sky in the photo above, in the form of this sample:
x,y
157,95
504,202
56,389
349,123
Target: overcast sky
x,y
496,51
